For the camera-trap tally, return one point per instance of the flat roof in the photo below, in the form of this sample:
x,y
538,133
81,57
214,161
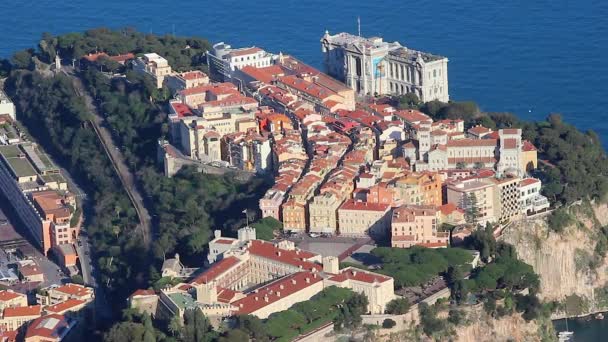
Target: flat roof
x,y
182,300
21,167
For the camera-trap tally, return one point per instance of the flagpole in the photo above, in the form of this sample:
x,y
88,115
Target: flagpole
x,y
246,217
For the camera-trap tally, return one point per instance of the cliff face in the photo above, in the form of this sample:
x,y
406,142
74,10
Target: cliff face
x,y
563,260
511,328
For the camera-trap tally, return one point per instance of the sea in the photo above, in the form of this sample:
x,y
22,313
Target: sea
x,y
531,58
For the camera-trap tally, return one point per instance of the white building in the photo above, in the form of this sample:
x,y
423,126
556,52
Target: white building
x,y
249,151
153,65
223,60
371,65
6,105
530,199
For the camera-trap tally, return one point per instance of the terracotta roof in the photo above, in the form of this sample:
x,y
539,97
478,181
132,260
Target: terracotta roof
x,y
64,306
30,270
412,116
74,290
471,142
305,86
433,244
403,238
225,241
52,327
528,181
21,311
225,295
528,146
354,205
449,208
192,75
275,291
478,130
9,295
297,258
511,131
142,292
216,270
408,213
510,143
245,51
359,275
8,336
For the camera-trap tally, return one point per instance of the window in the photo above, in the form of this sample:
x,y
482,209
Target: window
x,y
434,73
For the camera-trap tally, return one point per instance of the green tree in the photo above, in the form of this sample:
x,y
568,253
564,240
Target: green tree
x,y
398,306
196,327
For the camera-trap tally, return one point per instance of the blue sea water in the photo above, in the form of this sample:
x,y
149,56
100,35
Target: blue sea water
x,y
531,58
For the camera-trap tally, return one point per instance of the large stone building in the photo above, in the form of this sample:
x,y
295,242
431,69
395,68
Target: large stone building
x,y
223,60
358,218
257,277
39,195
417,225
249,151
373,66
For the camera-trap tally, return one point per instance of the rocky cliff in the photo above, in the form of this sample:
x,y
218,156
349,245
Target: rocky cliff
x,y
570,271
510,328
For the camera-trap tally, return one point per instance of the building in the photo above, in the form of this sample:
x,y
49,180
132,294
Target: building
x,y
146,301
31,272
199,142
68,306
356,218
6,106
154,65
187,80
417,225
9,298
270,204
530,199
423,188
378,289
506,198
294,215
373,66
260,278
14,318
475,195
248,151
323,213
38,193
49,328
223,60
58,294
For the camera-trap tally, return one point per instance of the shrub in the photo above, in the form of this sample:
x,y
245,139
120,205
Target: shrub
x,y
388,323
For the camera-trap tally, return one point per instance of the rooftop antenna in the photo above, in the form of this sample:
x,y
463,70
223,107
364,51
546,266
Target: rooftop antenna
x,y
359,25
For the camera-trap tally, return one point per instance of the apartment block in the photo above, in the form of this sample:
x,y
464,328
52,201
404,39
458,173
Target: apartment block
x,y
154,65
417,225
358,218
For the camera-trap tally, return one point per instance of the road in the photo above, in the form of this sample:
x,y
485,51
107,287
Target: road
x,y
118,161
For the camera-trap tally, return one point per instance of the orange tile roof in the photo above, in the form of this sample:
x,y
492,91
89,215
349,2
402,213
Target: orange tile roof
x,y
296,257
216,270
48,327
471,142
528,146
359,275
224,241
74,290
142,292
354,205
528,181
449,208
64,306
9,295
22,311
510,143
30,270
276,291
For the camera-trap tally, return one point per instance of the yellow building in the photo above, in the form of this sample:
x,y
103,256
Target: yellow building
x,y
357,218
9,298
378,289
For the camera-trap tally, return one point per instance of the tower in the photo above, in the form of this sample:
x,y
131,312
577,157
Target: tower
x,y
57,62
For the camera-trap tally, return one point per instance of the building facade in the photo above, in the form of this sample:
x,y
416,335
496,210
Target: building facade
x,y
417,225
373,66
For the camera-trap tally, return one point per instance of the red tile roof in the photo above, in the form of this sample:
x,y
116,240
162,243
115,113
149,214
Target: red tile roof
x,y
224,241
449,208
9,295
225,295
297,258
50,327
142,292
216,270
21,311
471,142
275,291
528,146
412,116
528,181
478,130
359,275
510,143
181,109
357,205
192,75
511,131
74,290
64,306
245,51
8,336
